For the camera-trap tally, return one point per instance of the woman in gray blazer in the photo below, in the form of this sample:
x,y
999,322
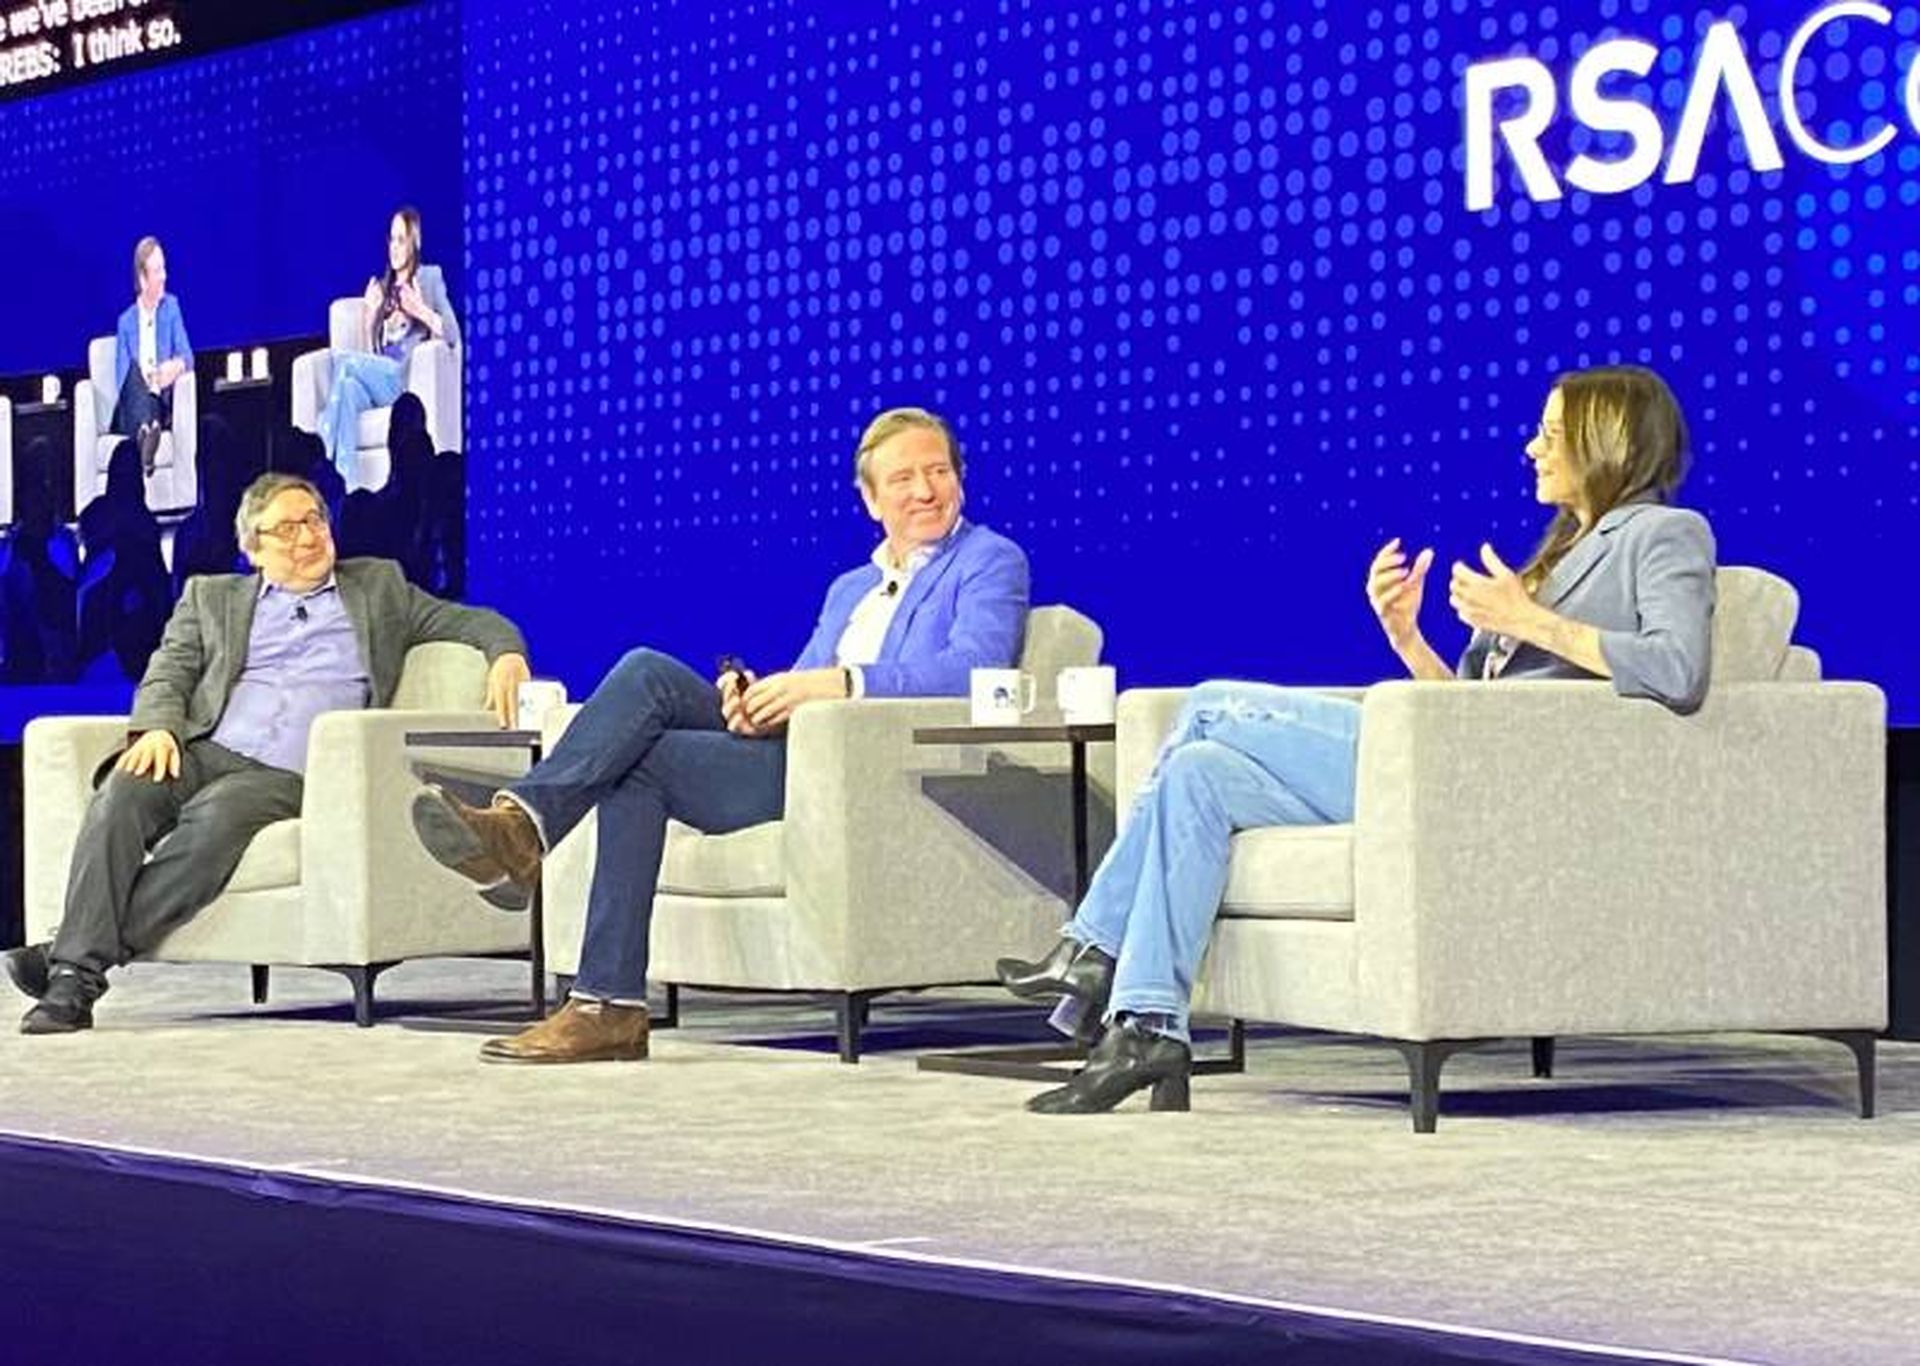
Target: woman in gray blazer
x,y
1621,588
404,307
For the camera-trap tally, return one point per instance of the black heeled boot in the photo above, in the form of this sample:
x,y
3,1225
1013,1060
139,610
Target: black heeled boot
x,y
1128,1058
1072,969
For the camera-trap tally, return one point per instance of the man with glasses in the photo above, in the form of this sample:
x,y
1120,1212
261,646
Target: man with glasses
x,y
219,731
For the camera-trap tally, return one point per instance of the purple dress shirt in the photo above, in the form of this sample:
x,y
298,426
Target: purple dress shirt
x,y
303,658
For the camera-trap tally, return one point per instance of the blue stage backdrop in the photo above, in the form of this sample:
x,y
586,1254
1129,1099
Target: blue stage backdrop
x,y
267,171
1200,286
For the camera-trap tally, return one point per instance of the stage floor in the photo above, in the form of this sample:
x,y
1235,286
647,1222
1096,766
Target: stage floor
x,y
1704,1196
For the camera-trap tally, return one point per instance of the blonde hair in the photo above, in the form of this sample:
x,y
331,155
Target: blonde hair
x,y
143,251
889,425
1626,439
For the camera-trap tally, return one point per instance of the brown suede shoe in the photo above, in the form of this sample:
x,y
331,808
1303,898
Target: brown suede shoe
x,y
580,1031
496,846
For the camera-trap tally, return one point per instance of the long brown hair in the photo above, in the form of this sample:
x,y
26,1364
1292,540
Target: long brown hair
x,y
410,224
1626,439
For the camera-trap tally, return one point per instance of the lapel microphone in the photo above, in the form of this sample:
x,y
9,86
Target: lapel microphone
x,y
893,588
300,612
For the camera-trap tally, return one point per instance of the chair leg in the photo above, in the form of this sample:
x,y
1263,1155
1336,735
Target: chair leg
x,y
260,971
1861,1042
562,984
1237,1044
670,1017
850,1013
1543,1055
362,977
1425,1058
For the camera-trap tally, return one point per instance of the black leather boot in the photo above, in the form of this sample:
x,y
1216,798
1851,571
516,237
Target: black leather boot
x,y
1128,1058
67,1006
28,969
1072,969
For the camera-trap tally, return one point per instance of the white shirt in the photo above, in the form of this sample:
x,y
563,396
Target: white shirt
x,y
149,340
866,629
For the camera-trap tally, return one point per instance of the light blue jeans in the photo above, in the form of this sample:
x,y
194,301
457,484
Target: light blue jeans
x,y
361,380
1240,755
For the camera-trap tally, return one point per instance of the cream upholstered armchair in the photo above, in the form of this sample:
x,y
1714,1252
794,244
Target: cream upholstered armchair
x,y
882,875
1534,859
175,481
346,886
433,375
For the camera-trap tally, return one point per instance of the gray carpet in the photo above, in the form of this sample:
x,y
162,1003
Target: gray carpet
x,y
1710,1196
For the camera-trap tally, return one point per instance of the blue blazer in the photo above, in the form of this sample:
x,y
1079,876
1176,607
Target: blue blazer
x,y
169,340
965,609
1643,578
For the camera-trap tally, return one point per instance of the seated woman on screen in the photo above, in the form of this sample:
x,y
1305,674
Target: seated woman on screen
x,y
405,307
1620,588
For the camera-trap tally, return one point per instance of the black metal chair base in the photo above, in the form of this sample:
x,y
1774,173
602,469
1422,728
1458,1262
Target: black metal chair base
x,y
362,977
1425,1058
1057,1062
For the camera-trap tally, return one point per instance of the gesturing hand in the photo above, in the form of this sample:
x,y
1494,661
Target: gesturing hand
x,y
1395,590
1495,601
156,751
504,678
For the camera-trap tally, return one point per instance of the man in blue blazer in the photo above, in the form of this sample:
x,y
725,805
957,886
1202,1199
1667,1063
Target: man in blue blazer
x,y
940,598
150,352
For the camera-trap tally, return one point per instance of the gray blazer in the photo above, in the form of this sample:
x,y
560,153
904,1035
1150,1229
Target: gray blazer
x,y
1643,577
200,658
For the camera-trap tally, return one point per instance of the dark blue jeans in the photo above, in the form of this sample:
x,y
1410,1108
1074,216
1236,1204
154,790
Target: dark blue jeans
x,y
138,405
650,744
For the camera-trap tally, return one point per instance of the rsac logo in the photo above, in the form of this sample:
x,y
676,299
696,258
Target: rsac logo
x,y
1720,69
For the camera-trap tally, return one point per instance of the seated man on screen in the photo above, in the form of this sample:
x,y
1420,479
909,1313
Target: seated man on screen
x,y
220,726
941,598
150,352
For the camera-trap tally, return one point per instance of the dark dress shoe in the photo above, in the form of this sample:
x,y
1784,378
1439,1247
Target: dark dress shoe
x,y
496,846
66,1008
1128,1058
1072,969
28,969
149,443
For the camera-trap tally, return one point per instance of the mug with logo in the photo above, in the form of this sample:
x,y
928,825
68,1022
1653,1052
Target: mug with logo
x,y
1086,695
1000,697
538,696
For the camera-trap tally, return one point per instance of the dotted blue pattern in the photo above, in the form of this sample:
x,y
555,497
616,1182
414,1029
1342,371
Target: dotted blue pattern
x,y
1193,279
268,171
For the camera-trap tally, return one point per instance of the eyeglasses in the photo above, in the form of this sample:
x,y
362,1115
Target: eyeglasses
x,y
289,531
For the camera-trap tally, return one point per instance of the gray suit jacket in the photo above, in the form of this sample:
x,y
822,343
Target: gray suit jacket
x,y
1642,577
200,658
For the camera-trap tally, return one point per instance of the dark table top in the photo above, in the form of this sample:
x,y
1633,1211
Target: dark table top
x,y
1010,735
474,739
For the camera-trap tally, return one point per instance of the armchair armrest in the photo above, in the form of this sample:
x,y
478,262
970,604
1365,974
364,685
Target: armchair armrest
x,y
87,430
1545,857
895,885
433,373
357,845
60,756
312,376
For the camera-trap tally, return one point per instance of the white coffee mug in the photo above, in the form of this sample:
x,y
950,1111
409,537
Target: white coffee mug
x,y
1086,695
1000,697
538,696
